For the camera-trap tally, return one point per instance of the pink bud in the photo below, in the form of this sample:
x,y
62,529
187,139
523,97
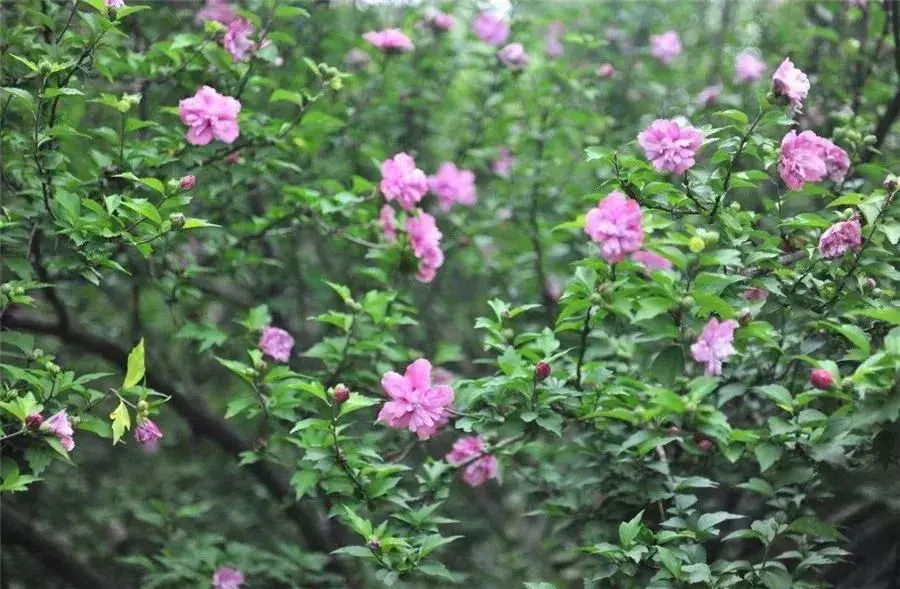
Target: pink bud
x,y
541,371
187,182
706,446
374,545
341,393
34,421
821,379
674,430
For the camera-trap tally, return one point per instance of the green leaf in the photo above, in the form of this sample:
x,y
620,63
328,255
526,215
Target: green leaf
x,y
628,531
121,421
356,402
766,455
134,372
777,393
152,183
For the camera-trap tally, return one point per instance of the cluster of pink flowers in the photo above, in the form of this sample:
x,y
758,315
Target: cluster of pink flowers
x,y
416,404
210,115
790,82
276,343
491,28
425,240
147,433
651,260
452,185
513,56
390,41
806,157
470,452
554,46
840,238
59,425
616,225
669,146
714,346
606,70
402,181
217,10
504,163
665,47
748,67
237,41
439,22
227,578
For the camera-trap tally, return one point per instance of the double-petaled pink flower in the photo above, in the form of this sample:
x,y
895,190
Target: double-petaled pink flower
x,y
470,452
439,22
491,28
415,403
402,181
210,116
237,41
276,343
790,82
387,218
58,424
651,260
452,185
390,41
748,67
425,240
227,578
669,146
665,47
714,346
615,224
217,10
840,238
606,70
806,157
513,56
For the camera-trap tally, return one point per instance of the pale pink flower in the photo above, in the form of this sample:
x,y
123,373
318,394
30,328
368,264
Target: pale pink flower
x,y
388,221
840,238
513,56
425,240
390,41
669,146
790,82
837,162
552,289
755,294
748,67
651,260
606,70
147,433
714,345
665,47
415,403
554,46
58,424
504,162
491,28
217,10
114,3
709,95
439,22
227,578
187,182
616,225
802,159
402,181
471,451
452,185
237,40
210,115
276,343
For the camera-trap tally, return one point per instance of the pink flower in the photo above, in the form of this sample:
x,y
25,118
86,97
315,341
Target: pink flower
x,y
504,162
147,433
452,185
554,46
187,182
755,294
58,424
226,578
210,115
114,3
491,28
651,260
790,82
402,181
748,67
513,56
709,95
357,59
439,22
237,40
616,225
606,70
665,47
388,221
217,10
670,147
390,41
803,159
837,162
415,404
425,240
276,343
466,451
840,238
714,345
552,289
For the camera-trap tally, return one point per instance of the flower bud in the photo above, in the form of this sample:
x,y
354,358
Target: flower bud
x,y
744,317
177,220
374,545
674,430
143,406
821,379
34,421
891,183
187,182
541,371
696,244
341,393
706,446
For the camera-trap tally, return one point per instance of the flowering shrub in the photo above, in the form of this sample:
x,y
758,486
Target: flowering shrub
x,y
249,340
